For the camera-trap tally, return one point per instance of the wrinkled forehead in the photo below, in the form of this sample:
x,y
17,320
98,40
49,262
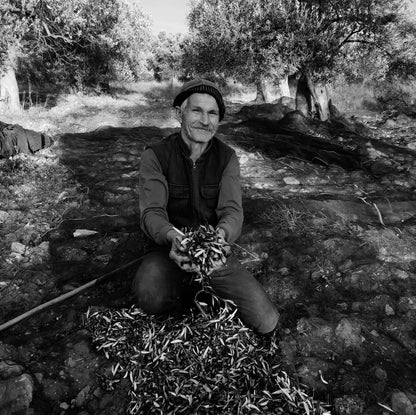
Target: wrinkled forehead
x,y
205,101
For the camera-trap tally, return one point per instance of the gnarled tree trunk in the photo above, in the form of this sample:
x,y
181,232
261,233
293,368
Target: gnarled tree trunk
x,y
9,90
261,95
284,88
311,98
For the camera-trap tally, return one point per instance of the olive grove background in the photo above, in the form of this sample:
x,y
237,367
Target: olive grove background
x,y
83,45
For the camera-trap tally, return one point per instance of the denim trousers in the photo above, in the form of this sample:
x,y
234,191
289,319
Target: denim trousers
x,y
161,287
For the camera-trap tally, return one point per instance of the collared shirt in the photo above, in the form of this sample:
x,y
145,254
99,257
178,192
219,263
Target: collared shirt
x,y
154,194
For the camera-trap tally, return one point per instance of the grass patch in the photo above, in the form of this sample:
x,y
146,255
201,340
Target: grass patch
x,y
239,93
350,98
380,96
150,104
395,94
130,105
285,218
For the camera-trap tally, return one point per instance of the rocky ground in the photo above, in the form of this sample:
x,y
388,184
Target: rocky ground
x,y
334,248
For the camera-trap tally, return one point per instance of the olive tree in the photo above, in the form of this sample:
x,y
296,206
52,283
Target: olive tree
x,y
72,42
269,39
165,61
15,23
133,38
232,38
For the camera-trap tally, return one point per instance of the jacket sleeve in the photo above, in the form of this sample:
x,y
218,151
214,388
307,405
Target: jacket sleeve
x,y
230,208
153,198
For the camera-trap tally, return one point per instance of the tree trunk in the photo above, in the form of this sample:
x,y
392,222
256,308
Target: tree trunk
x,y
261,91
292,81
322,98
311,99
318,98
284,88
9,90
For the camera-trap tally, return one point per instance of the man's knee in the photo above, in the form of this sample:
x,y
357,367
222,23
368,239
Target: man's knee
x,y
156,303
153,296
255,307
268,321
156,287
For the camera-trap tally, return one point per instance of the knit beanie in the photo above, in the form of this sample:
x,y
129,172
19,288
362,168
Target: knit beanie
x,y
201,86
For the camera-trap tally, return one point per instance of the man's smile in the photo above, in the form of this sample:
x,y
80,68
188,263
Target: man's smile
x,y
202,128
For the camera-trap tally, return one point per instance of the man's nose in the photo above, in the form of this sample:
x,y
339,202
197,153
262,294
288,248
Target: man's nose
x,y
204,118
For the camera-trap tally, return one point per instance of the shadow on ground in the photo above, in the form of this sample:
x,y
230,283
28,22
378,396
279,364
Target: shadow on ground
x,y
333,246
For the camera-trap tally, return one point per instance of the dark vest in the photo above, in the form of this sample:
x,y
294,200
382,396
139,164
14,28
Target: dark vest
x,y
193,187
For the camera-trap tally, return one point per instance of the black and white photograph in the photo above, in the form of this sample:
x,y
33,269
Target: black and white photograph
x,y
207,207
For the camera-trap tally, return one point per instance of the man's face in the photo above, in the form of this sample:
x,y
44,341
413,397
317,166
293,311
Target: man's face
x,y
199,118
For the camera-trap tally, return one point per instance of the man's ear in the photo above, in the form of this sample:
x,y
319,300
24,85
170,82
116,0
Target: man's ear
x,y
178,114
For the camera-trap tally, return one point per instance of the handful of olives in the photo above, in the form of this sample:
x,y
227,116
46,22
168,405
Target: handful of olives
x,y
204,247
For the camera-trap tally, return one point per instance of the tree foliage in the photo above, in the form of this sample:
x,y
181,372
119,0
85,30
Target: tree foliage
x,y
165,61
132,35
15,23
227,38
74,41
253,39
58,39
77,42
401,52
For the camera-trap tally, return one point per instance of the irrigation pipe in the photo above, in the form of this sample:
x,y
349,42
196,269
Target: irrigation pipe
x,y
65,296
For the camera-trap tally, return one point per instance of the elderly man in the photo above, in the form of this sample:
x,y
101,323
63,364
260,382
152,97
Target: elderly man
x,y
192,178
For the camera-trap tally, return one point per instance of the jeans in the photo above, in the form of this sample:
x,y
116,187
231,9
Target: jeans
x,y
161,287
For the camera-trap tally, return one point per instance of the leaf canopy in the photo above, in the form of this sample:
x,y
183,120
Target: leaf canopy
x,y
249,39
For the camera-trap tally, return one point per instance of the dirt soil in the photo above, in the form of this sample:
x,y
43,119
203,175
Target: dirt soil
x,y
335,249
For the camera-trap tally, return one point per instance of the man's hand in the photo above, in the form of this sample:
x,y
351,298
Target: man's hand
x,y
177,253
225,246
221,239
